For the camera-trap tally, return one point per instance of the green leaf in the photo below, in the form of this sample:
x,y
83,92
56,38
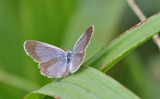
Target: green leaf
x,y
87,83
125,43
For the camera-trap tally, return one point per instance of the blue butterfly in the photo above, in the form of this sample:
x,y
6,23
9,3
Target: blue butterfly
x,y
53,61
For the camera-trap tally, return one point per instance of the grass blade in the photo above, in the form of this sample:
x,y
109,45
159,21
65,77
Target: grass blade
x,y
87,83
125,43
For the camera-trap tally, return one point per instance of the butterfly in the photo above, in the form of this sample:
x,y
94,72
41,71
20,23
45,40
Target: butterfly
x,y
53,61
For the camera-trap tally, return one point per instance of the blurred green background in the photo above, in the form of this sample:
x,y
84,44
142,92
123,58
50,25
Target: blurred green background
x,y
61,22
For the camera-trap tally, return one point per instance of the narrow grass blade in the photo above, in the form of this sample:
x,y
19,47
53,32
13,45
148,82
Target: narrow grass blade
x,y
125,43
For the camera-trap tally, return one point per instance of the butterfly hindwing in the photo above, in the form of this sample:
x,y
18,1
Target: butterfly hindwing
x,y
77,60
53,68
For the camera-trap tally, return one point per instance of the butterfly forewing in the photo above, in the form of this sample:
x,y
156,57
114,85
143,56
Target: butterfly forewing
x,y
53,68
42,52
83,41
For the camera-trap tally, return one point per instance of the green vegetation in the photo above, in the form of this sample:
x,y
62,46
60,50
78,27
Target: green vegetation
x,y
112,71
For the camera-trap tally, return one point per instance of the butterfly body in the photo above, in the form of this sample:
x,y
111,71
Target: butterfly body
x,y
69,56
53,61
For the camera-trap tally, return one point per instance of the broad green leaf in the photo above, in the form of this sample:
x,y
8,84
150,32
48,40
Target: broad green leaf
x,y
87,83
125,43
